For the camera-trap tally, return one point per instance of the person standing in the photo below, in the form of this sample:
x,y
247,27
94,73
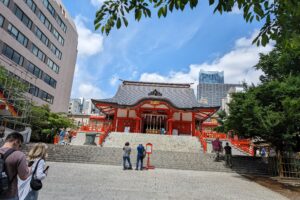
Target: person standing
x,y
217,147
228,155
140,156
62,136
126,156
36,156
15,164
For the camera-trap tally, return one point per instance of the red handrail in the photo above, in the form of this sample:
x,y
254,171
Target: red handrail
x,y
242,144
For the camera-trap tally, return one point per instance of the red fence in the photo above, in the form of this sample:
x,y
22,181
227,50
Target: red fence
x,y
242,144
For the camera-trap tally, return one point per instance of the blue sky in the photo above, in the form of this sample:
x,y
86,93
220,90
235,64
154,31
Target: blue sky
x,y
171,49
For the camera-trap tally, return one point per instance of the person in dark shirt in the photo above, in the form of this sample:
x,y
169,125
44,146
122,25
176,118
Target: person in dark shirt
x,y
228,155
140,156
15,163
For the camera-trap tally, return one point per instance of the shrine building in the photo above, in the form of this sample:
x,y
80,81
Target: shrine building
x,y
146,107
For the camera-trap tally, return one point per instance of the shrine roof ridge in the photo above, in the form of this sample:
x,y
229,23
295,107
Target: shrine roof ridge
x,y
157,84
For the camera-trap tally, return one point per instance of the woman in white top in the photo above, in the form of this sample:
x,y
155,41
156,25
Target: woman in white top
x,y
37,155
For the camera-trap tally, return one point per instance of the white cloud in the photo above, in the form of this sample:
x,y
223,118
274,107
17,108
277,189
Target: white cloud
x,y
97,3
89,43
114,79
88,90
236,64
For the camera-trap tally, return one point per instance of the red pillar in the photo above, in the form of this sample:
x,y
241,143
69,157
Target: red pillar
x,y
193,124
137,125
115,120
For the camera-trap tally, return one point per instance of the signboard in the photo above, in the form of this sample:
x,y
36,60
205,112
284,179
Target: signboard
x,y
154,102
149,148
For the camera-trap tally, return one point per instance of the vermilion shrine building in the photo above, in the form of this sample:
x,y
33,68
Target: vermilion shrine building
x,y
145,107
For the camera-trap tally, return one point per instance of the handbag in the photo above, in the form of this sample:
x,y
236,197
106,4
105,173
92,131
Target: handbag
x,y
35,183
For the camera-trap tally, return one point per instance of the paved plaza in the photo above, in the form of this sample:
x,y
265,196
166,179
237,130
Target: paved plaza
x,y
90,181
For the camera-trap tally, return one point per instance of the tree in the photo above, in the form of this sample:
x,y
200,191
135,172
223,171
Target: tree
x,y
113,13
46,123
270,111
13,88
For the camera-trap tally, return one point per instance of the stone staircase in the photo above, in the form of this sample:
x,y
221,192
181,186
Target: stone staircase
x,y
159,142
160,159
235,151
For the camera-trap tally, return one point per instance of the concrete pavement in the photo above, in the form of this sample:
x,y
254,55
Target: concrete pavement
x,y
90,181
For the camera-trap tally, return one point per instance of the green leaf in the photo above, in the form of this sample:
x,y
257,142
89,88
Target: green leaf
x,y
171,5
165,10
118,23
160,11
258,10
211,2
138,15
125,21
148,12
97,26
264,39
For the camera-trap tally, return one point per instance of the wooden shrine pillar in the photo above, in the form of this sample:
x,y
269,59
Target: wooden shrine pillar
x,y
138,124
193,124
115,122
170,123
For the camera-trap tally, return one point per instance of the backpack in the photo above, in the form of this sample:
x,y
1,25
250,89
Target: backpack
x,y
5,182
144,153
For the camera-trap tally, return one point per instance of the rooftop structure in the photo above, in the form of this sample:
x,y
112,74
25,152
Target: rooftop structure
x,y
211,76
150,107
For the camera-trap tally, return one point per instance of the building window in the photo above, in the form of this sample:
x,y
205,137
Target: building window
x,y
55,51
33,90
38,53
61,23
20,14
58,36
41,36
46,97
44,20
31,5
61,40
34,70
49,7
50,81
5,2
1,20
13,55
52,12
53,66
17,35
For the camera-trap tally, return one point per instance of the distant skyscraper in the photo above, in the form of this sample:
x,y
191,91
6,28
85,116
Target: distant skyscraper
x,y
211,76
211,89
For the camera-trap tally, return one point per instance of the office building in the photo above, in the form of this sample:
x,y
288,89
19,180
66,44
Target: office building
x,y
211,76
38,38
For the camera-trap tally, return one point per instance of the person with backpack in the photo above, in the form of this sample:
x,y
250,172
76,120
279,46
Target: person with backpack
x,y
126,156
141,153
27,189
217,147
13,164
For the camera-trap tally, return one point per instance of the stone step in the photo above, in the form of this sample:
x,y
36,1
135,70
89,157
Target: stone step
x,y
159,142
160,159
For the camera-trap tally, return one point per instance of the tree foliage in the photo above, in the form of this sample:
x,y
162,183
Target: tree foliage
x,y
46,123
270,111
274,14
